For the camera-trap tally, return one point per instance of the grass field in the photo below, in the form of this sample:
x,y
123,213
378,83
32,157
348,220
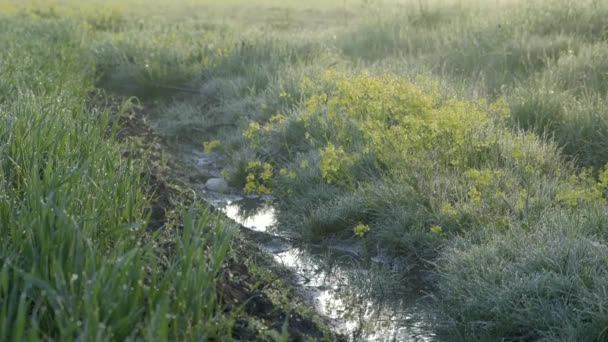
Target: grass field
x,y
467,136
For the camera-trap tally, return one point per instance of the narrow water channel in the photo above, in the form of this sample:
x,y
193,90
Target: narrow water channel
x,y
331,276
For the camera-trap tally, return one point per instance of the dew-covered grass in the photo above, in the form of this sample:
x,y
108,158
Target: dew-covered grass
x,y
467,136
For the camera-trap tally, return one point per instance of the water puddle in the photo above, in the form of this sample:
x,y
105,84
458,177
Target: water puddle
x,y
202,159
330,277
334,280
252,213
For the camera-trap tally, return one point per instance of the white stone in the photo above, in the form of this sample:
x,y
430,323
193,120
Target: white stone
x,y
216,185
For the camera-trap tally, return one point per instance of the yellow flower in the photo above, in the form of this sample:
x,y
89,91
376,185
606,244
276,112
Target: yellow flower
x,y
250,186
254,164
475,195
209,146
263,189
267,173
251,129
448,210
436,229
360,229
277,118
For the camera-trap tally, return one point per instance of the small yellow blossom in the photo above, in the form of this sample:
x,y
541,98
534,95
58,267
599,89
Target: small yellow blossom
x,y
251,129
436,229
361,229
209,146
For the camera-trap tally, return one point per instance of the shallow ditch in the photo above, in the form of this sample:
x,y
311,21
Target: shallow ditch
x,y
333,277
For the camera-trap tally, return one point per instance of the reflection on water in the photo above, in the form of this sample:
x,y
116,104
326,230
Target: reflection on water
x,y
251,213
334,280
341,289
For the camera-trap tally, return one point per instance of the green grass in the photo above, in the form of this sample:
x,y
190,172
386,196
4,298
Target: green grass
x,y
546,284
77,259
459,132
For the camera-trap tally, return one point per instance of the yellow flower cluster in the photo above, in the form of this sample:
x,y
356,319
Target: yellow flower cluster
x,y
209,146
251,130
287,173
391,118
583,188
334,162
258,176
360,229
410,130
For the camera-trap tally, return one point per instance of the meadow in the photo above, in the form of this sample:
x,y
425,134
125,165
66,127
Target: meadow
x,y
467,137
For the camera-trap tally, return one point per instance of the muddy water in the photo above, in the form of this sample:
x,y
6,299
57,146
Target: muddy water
x,y
330,277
